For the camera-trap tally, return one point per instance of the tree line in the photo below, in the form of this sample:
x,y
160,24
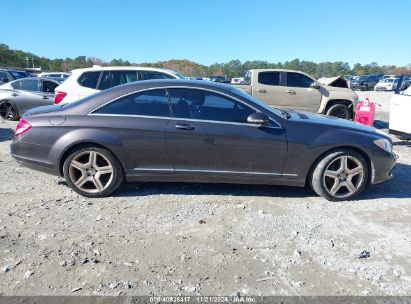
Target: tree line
x,y
233,68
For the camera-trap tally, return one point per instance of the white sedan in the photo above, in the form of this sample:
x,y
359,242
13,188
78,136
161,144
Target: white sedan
x,y
387,84
400,109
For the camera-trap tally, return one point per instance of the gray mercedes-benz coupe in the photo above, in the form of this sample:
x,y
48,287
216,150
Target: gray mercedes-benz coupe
x,y
191,131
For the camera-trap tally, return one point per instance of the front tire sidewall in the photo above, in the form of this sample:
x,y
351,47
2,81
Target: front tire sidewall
x,y
316,180
118,175
334,108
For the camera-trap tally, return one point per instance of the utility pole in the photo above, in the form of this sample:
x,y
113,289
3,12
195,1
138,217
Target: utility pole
x,y
27,62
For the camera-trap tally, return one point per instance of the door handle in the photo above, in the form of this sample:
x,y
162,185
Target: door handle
x,y
262,91
14,94
46,97
185,127
290,92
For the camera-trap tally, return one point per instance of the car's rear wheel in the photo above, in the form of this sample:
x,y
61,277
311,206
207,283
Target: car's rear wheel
x,y
93,172
8,111
339,110
340,176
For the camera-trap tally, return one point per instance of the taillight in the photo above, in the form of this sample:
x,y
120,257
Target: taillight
x,y
59,96
23,126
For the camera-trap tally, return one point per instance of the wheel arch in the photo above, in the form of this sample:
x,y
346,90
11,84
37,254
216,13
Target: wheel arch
x,y
345,147
80,145
347,102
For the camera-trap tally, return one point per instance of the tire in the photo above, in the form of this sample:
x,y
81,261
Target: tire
x,y
338,180
8,111
93,172
339,110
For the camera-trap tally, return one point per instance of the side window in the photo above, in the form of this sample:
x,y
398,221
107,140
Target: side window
x,y
147,103
49,86
298,80
205,105
29,85
89,79
122,77
105,81
269,78
3,75
15,85
156,75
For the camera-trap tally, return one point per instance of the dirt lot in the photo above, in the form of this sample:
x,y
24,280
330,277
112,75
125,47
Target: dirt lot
x,y
170,239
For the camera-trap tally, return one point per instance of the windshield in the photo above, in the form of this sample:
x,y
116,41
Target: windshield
x,y
19,75
388,80
362,78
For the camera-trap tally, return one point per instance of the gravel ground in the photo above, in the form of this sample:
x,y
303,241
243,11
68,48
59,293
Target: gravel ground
x,y
191,239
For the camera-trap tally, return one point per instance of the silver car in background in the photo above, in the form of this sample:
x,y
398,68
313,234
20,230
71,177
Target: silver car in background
x,y
19,96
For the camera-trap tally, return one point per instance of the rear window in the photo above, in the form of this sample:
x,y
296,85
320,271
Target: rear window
x,y
89,79
29,85
18,74
147,103
269,78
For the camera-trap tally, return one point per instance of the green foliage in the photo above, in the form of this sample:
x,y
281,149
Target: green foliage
x,y
233,68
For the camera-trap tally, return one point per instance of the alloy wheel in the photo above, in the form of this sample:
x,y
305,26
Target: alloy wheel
x,y
344,176
91,172
7,111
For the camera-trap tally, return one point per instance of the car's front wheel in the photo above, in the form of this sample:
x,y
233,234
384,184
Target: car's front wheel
x,y
340,175
339,110
93,172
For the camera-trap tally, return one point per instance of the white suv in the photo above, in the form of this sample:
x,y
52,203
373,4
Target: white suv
x,y
85,82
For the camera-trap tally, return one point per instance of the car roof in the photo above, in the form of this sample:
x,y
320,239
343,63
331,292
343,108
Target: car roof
x,y
116,68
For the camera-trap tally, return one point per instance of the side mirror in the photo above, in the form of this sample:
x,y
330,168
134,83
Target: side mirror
x,y
315,85
258,118
5,80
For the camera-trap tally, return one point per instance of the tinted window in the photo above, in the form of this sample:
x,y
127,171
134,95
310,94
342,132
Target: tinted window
x,y
105,81
19,74
269,78
15,85
298,80
49,86
89,79
29,85
148,103
205,105
157,75
3,75
122,77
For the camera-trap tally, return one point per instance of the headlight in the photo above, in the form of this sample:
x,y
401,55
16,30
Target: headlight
x,y
384,144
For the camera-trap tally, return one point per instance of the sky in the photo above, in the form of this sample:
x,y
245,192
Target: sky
x,y
210,31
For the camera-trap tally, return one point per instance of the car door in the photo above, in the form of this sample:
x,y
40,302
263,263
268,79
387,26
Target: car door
x,y
47,92
299,93
400,108
138,121
267,88
26,94
209,134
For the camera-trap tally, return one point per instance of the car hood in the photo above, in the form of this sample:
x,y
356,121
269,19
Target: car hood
x,y
334,122
43,110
